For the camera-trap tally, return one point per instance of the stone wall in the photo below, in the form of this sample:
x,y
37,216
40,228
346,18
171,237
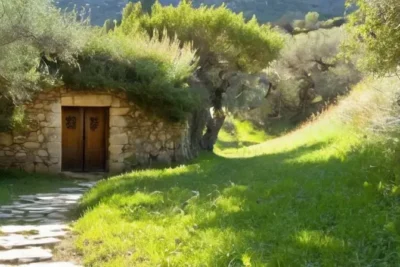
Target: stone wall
x,y
137,139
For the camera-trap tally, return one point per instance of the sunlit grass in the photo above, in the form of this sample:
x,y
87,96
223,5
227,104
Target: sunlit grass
x,y
323,195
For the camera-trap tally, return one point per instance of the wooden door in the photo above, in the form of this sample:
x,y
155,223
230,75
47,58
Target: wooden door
x,y
84,139
95,139
72,139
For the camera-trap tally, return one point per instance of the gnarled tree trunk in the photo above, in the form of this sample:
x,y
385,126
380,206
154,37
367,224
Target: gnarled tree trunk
x,y
214,124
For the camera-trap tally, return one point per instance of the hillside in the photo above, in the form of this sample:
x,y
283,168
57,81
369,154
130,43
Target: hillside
x,y
320,196
265,10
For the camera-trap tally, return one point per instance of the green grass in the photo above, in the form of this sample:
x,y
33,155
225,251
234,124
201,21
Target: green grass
x,y
15,183
239,134
324,195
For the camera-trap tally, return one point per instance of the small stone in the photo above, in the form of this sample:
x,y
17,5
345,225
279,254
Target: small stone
x,y
119,139
19,139
9,153
43,153
20,155
115,149
32,145
56,215
118,121
54,149
6,139
5,216
25,255
38,106
119,111
54,160
41,117
162,137
32,137
41,138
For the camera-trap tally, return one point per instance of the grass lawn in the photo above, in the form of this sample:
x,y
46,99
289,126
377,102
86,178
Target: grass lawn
x,y
324,195
239,134
14,183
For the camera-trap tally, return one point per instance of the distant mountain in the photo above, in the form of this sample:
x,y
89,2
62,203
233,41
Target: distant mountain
x,y
265,10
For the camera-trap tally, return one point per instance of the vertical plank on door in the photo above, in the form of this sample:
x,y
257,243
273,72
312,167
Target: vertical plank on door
x,y
95,139
72,139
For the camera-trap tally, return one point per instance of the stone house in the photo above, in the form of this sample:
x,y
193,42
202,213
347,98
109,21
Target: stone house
x,y
84,131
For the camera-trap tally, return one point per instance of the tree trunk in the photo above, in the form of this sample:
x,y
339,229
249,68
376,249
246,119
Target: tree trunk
x,y
214,125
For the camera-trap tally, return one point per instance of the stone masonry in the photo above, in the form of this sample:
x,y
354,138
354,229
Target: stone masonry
x,y
137,139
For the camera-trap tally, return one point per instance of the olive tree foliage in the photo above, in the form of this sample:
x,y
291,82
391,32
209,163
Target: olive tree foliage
x,y
29,30
227,46
309,70
374,28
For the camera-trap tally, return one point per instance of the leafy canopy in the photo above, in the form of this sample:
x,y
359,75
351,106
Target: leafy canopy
x,y
218,34
375,26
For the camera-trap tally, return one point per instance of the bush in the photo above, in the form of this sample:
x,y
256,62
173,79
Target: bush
x,y
217,33
311,19
374,29
151,71
309,63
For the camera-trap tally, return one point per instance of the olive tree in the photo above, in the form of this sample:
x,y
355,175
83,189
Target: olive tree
x,y
374,28
32,32
226,45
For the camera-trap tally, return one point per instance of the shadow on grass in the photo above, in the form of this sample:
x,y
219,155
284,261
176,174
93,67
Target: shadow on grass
x,y
279,210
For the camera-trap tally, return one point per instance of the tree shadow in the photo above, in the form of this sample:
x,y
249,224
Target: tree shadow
x,y
282,210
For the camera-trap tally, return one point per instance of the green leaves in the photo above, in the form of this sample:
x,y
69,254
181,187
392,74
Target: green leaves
x,y
374,28
217,33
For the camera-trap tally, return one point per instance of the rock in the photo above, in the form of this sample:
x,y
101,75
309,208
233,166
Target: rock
x,y
19,139
119,139
53,119
5,216
17,241
118,121
119,111
33,137
20,156
32,145
55,107
57,215
115,102
43,153
41,138
38,106
50,264
115,149
28,255
54,149
87,185
6,139
41,117
72,190
15,229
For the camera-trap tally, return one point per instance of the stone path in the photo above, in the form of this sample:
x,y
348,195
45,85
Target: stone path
x,y
33,224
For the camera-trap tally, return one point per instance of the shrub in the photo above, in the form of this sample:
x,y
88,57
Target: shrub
x,y
309,64
151,71
374,29
311,19
216,32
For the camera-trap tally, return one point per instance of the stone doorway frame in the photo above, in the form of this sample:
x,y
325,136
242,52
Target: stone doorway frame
x,y
109,101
